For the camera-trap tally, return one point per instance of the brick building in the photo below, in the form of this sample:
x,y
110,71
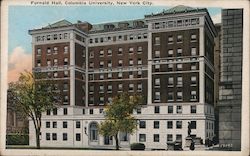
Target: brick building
x,y
167,57
230,99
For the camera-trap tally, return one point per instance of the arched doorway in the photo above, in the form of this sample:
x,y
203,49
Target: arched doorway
x,y
93,133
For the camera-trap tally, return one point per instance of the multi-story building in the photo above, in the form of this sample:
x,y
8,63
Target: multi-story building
x,y
167,58
229,105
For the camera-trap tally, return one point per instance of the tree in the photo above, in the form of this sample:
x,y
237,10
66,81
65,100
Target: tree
x,y
33,95
118,116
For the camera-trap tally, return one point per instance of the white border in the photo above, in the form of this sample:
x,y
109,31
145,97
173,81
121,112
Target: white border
x,y
194,3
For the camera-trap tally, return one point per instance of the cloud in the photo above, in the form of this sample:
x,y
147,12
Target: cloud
x,y
216,18
19,60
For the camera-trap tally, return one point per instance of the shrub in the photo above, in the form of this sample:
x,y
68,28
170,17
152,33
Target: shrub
x,y
17,139
137,146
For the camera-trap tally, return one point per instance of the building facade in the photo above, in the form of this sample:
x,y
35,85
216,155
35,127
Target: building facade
x,y
231,79
168,58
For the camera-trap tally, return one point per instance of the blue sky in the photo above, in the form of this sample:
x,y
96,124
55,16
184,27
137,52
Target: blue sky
x,y
24,18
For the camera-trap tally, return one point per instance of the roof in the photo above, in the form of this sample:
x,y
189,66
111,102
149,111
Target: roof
x,y
178,9
60,23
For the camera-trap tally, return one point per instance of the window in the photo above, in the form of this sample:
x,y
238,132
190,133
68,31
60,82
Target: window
x,y
131,87
101,53
65,86
38,63
101,100
179,38
142,137
157,97
93,132
170,39
54,124
47,124
109,63
139,87
179,52
65,136
139,61
170,67
47,136
55,62
48,51
169,137
38,51
131,50
120,63
170,82
109,75
178,138
65,111
193,66
170,124
48,63
120,86
101,110
170,96
66,49
193,51
83,111
101,87
54,136
131,37
96,40
178,109
48,112
66,99
109,52
179,81
156,124
157,54
170,109
101,64
193,109
138,110
55,50
78,124
170,53
193,95
139,73
91,111
131,62
193,124
157,68
157,41
179,96
193,37
91,54
123,136
65,61
178,124
157,109
120,75
156,138
139,49
65,124
120,51
179,66
101,76
55,111
193,80
78,137
157,83
131,75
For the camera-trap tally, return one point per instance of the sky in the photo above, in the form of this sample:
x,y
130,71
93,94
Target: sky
x,y
24,18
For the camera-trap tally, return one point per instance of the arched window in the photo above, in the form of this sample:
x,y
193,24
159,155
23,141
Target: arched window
x,y
93,131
